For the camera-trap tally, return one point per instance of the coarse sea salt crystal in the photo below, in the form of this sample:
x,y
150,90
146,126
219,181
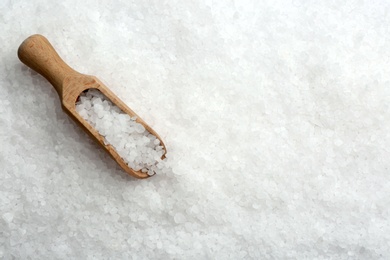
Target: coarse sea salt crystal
x,y
140,149
8,217
179,218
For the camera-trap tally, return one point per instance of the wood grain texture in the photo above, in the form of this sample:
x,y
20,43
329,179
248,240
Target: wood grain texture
x,y
37,53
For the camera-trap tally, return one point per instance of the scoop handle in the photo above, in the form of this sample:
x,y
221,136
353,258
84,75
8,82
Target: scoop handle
x,y
38,54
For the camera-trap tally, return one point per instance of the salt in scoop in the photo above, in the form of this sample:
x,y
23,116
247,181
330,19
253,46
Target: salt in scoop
x,y
38,54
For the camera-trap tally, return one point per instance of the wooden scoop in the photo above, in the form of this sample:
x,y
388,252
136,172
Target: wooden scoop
x,y
38,54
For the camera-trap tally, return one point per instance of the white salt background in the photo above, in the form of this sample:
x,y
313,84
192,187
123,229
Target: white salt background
x,y
276,116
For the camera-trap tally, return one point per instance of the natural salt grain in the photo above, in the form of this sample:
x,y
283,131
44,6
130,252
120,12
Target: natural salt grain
x,y
140,149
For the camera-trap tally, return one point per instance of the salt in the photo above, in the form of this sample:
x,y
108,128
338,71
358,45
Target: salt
x,y
223,77
138,147
8,217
